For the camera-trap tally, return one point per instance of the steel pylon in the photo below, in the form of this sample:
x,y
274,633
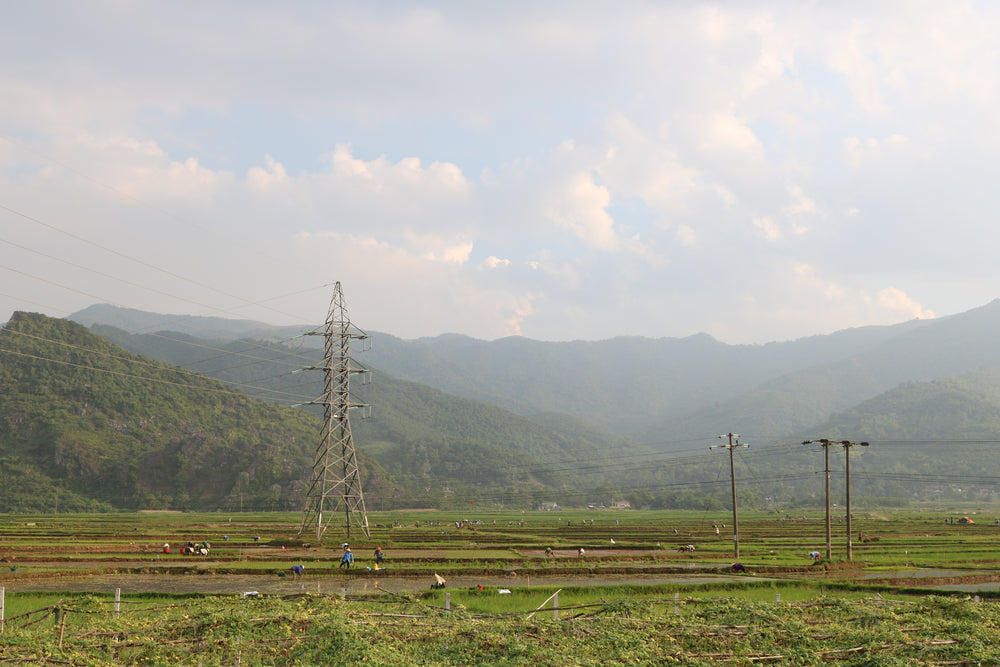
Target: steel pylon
x,y
335,483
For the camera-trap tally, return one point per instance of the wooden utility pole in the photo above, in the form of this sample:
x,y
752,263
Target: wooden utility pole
x,y
733,444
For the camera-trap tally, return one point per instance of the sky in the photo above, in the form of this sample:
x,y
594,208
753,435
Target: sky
x,y
757,171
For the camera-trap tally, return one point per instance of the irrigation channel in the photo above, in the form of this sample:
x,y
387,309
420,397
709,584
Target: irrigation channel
x,y
134,576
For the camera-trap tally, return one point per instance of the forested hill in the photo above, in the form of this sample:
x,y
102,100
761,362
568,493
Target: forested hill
x,y
85,425
430,442
110,428
652,390
678,389
923,393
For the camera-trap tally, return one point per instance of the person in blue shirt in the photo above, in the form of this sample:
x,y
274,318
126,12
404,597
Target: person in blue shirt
x,y
347,559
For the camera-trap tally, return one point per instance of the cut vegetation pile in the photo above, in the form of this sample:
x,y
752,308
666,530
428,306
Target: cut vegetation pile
x,y
409,631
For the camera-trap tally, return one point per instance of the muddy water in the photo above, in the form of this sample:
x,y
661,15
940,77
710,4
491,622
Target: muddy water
x,y
360,584
363,583
921,573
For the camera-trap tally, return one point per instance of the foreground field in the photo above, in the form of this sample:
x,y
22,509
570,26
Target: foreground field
x,y
636,628
920,589
492,544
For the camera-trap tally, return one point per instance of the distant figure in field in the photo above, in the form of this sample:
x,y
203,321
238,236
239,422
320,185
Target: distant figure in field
x,y
347,560
438,581
580,552
166,548
379,556
814,555
739,567
297,570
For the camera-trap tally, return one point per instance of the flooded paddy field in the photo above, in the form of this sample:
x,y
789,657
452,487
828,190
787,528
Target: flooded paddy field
x,y
905,550
325,585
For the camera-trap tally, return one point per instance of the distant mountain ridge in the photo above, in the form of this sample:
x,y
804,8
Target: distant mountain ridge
x,y
669,388
931,431
199,326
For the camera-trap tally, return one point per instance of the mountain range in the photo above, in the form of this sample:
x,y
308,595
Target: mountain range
x,y
648,390
517,421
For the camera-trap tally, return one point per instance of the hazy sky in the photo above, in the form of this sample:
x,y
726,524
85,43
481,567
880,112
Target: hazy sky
x,y
560,170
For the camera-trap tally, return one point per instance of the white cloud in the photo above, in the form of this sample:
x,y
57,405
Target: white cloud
x,y
520,309
768,228
810,278
579,206
725,133
494,262
616,149
686,236
457,254
171,181
859,152
800,204
896,301
406,175
638,163
268,179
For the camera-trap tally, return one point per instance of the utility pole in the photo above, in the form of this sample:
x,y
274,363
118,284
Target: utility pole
x,y
336,478
846,444
847,451
826,455
733,444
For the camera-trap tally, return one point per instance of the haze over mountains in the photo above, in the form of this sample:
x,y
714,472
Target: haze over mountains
x,y
516,421
651,390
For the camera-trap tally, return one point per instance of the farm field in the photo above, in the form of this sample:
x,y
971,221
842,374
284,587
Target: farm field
x,y
920,589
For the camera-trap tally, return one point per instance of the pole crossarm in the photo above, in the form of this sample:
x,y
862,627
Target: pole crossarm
x,y
734,443
335,482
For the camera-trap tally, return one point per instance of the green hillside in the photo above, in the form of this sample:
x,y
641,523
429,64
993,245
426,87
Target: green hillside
x,y
90,426
651,390
433,444
924,394
112,429
421,435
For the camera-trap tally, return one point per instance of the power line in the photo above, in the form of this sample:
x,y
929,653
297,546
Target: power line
x,y
165,319
120,373
168,214
336,476
734,442
179,370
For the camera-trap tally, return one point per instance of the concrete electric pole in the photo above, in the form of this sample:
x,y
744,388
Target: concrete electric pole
x,y
733,444
826,454
847,452
846,444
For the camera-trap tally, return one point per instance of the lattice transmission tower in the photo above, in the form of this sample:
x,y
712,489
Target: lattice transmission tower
x,y
335,483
